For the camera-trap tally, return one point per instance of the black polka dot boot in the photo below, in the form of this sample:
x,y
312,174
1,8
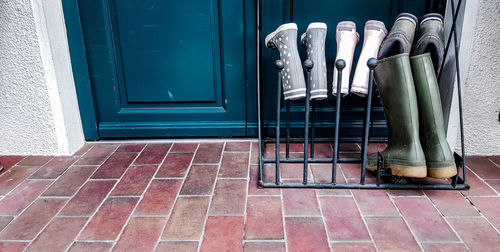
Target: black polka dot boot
x,y
314,42
284,39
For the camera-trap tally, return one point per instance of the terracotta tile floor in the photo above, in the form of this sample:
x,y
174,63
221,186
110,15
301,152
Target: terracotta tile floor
x,y
203,197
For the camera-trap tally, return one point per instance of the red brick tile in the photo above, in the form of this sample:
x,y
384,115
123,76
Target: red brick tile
x,y
424,220
495,159
264,219
153,154
306,234
391,234
4,221
229,197
477,186
254,153
223,233
444,247
131,147
343,220
141,234
291,172
187,219
253,184
208,153
184,147
451,203
35,160
70,181
8,161
489,207
406,192
237,146
323,174
109,219
184,246
58,235
300,202
200,180
97,155
374,202
477,233
88,198
12,246
234,165
483,167
22,196
322,150
115,166
495,183
354,171
264,247
175,165
135,180
14,176
269,173
86,147
159,197
91,247
375,147
54,168
353,247
349,147
32,220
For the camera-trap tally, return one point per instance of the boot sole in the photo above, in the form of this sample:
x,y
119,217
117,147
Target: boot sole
x,y
403,171
440,173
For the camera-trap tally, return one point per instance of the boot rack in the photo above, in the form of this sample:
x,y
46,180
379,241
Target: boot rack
x,y
455,183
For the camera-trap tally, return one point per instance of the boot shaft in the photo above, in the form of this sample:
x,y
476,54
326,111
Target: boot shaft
x,y
431,39
347,38
400,38
314,41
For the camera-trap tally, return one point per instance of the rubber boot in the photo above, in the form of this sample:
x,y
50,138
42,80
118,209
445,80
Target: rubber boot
x,y
438,155
400,38
314,41
374,34
404,155
347,38
431,39
284,39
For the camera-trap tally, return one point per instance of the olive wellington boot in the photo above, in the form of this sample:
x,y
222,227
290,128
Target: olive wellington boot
x,y
404,155
438,155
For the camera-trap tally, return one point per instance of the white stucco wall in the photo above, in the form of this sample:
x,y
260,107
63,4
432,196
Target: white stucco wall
x,y
38,109
482,85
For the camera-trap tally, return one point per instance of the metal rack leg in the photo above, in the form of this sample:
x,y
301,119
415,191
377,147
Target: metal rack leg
x,y
339,65
279,66
372,63
313,126
308,65
287,102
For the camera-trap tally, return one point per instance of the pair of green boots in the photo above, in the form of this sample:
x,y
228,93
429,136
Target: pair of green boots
x,y
417,145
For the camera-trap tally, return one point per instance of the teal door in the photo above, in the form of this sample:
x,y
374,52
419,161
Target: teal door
x,y
166,68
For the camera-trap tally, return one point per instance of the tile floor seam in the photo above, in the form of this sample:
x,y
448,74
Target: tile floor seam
x,y
364,222
178,194
469,170
16,164
447,222
246,196
122,230
285,237
15,187
406,223
211,197
75,239
481,214
328,239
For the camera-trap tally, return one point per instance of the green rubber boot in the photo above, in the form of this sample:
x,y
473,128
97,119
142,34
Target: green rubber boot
x,y
438,155
404,155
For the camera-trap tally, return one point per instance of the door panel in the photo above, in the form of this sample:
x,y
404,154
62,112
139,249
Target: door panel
x,y
166,68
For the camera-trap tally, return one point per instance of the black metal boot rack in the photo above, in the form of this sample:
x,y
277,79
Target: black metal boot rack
x,y
456,183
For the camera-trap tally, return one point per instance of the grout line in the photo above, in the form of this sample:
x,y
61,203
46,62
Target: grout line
x,y
363,218
245,206
323,220
176,196
211,197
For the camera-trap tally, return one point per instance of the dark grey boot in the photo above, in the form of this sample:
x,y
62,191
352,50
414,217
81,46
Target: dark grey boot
x,y
284,39
431,39
314,41
400,38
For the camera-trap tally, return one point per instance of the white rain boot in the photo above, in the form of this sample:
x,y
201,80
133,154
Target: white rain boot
x,y
347,39
314,42
284,39
375,32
